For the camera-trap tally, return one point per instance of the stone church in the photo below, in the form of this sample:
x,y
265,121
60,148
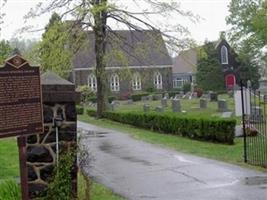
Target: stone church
x,y
136,61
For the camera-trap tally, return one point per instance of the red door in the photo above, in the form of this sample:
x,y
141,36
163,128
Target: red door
x,y
230,81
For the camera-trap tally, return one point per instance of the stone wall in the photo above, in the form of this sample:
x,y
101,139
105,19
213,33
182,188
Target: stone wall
x,y
41,148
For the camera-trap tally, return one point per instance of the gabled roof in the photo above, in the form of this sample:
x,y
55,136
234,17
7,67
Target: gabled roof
x,y
185,62
126,48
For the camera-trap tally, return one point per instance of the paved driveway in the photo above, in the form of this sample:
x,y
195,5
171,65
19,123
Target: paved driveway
x,y
138,170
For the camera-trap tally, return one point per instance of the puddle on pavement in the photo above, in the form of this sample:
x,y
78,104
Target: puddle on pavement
x,y
136,160
257,180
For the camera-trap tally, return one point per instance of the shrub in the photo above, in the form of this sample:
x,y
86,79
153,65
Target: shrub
x,y
9,190
137,97
86,93
79,110
60,187
217,130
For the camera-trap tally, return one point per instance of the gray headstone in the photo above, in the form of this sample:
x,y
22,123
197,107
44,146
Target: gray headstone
x,y
159,109
150,97
146,107
144,98
178,96
129,101
203,103
157,96
176,105
112,106
256,114
166,95
164,102
227,114
222,105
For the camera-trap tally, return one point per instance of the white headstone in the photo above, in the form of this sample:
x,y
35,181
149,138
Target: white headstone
x,y
238,102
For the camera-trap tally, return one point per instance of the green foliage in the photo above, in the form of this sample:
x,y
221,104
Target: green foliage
x,y
5,51
61,187
215,129
86,93
54,50
79,110
248,34
9,190
209,74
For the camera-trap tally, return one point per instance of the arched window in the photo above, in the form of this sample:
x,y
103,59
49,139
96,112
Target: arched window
x,y
115,83
224,55
136,82
92,82
158,80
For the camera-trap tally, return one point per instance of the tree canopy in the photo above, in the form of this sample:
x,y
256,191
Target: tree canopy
x,y
5,50
248,33
53,49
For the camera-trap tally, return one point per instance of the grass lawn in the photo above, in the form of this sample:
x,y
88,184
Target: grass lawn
x,y
9,169
9,161
228,153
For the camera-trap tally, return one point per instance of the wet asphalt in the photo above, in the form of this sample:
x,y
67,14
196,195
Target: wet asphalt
x,y
140,171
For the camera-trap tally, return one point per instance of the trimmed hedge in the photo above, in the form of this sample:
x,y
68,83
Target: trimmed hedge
x,y
94,99
216,130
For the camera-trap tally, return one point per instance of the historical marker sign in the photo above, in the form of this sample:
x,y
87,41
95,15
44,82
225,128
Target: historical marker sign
x,y
20,98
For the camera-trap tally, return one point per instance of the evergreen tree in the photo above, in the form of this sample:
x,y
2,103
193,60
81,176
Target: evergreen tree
x,y
209,75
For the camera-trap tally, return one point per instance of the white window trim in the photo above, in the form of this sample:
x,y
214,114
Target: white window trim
x,y
158,80
92,82
224,50
115,83
136,82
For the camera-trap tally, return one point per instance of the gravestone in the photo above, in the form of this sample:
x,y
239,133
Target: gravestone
x,y
59,98
157,97
159,109
150,97
112,106
164,102
144,98
166,95
203,103
129,102
176,105
146,107
222,105
256,114
213,96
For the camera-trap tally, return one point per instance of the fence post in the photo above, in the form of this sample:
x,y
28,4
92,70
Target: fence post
x,y
244,121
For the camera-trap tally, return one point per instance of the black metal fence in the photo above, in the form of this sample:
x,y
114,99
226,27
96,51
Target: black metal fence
x,y
254,125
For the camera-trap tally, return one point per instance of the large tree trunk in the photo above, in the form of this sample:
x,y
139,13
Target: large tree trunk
x,y
100,19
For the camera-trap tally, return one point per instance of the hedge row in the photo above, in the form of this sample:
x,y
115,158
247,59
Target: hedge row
x,y
217,130
93,99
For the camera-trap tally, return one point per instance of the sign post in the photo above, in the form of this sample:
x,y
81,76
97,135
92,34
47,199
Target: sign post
x,y
20,107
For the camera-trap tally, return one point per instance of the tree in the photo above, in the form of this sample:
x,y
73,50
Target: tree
x,y
98,15
53,51
248,34
5,51
209,75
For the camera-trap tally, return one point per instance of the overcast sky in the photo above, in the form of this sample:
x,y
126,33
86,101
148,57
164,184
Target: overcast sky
x,y
213,13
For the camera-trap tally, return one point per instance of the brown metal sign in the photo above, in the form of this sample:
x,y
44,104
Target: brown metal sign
x,y
20,98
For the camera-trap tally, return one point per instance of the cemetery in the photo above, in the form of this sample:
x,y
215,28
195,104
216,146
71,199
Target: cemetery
x,y
113,100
